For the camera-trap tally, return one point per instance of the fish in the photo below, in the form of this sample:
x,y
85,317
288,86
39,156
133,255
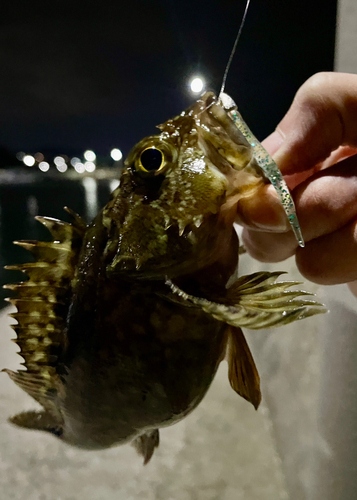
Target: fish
x,y
123,322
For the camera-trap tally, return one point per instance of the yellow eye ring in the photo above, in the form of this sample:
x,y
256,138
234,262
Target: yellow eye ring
x,y
151,160
153,156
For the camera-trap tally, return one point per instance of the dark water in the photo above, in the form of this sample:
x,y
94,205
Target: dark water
x,y
22,197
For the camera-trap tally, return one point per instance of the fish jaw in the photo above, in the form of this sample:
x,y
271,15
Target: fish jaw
x,y
230,152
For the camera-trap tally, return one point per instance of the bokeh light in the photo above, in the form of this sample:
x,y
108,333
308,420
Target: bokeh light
x,y
62,167
44,166
28,160
116,154
89,166
59,161
114,183
74,161
20,155
79,167
89,155
39,157
196,85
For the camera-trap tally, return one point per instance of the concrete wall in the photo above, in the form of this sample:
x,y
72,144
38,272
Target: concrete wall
x,y
308,369
346,40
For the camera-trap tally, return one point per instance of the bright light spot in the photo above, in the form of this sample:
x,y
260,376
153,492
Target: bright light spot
x,y
44,166
59,161
74,161
20,155
28,160
79,167
39,157
198,166
114,183
89,155
89,166
196,85
116,154
62,167
90,196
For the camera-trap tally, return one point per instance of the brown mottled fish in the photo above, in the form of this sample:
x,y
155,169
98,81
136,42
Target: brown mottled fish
x,y
123,323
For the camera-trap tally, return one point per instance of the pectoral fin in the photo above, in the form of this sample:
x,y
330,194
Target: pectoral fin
x,y
146,443
39,421
255,301
243,374
37,386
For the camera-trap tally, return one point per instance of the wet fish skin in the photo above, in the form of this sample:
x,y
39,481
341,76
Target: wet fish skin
x,y
123,323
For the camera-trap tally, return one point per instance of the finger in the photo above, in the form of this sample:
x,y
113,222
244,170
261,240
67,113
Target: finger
x,y
330,259
273,142
352,285
338,155
263,211
321,118
324,204
269,247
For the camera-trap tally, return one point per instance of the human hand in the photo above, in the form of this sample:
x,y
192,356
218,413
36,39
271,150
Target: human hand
x,y
315,147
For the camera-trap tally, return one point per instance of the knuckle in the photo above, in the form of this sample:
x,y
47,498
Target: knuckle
x,y
311,268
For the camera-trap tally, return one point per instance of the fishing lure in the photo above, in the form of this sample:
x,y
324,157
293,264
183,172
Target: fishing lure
x,y
263,158
268,166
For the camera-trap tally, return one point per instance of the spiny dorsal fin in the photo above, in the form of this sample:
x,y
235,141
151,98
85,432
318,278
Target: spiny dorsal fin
x,y
42,303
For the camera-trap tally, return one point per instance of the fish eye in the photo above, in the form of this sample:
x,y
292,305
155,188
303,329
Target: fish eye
x,y
152,157
151,160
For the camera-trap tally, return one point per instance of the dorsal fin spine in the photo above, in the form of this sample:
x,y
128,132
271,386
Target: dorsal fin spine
x,y
42,302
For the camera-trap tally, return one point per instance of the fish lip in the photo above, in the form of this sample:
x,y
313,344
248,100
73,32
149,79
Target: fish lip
x,y
215,114
219,135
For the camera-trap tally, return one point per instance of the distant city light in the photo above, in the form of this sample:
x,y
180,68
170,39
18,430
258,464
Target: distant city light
x,y
59,161
28,160
62,167
89,155
39,157
44,166
20,155
79,167
74,161
116,154
196,85
89,166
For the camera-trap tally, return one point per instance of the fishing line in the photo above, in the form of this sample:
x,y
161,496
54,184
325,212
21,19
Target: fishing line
x,y
230,59
261,155
234,47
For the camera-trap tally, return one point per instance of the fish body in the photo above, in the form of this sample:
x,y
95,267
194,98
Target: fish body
x,y
123,323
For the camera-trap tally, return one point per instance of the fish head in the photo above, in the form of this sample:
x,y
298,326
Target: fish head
x,y
174,208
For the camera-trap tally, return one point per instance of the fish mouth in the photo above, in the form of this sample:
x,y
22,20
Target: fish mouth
x,y
219,137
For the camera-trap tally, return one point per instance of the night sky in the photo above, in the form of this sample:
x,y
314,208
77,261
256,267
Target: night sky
x,y
102,74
